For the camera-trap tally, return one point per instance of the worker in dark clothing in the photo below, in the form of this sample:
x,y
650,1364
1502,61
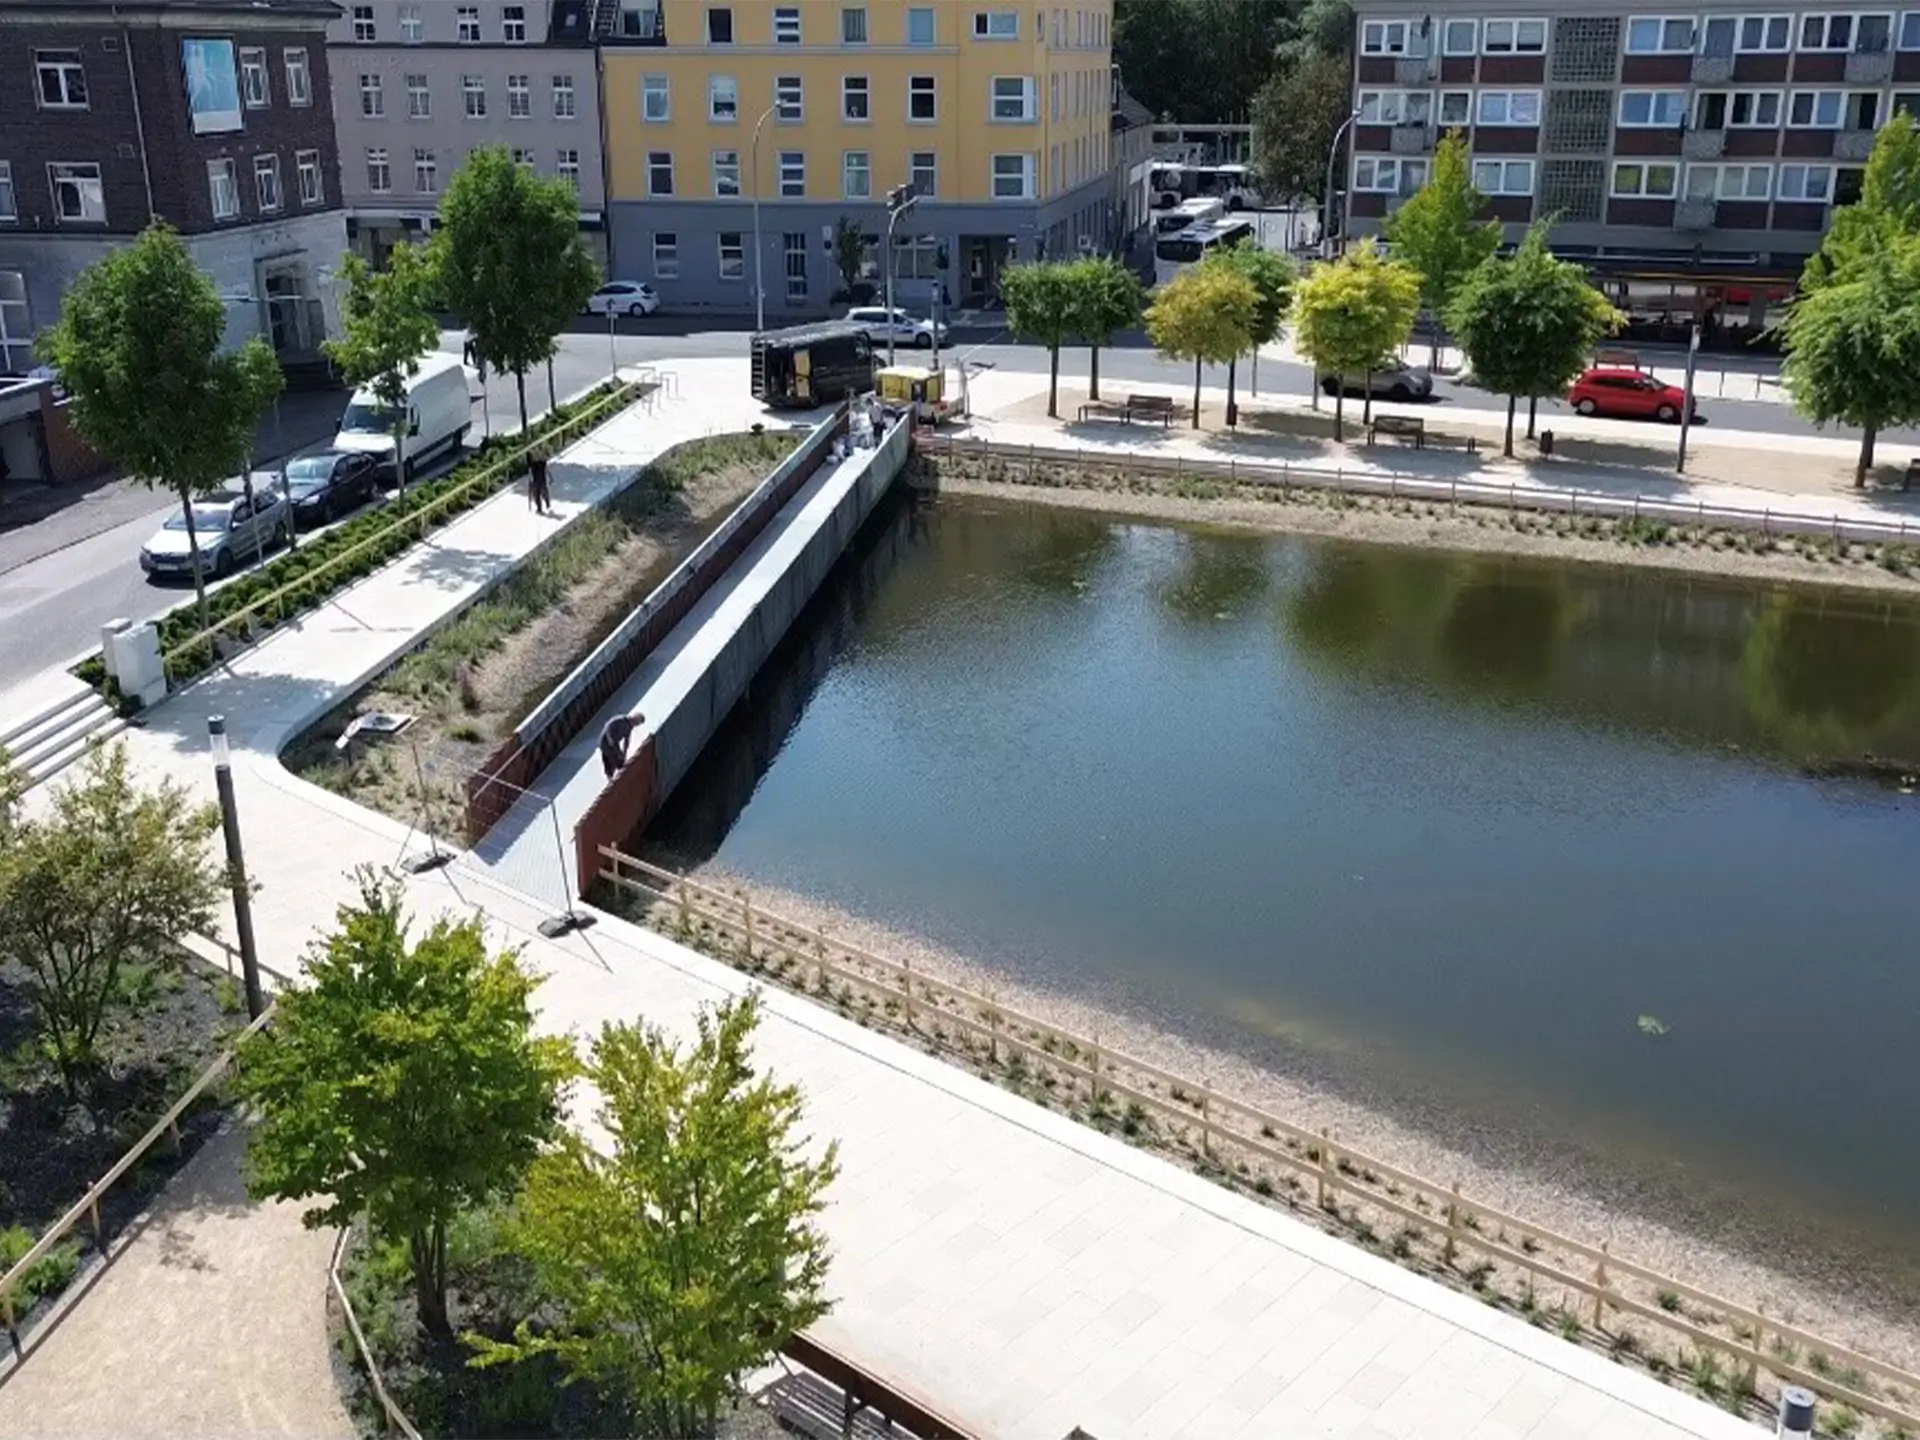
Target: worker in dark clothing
x,y
614,737
539,493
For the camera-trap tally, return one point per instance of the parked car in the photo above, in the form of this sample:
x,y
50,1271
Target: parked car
x,y
623,297
439,413
896,325
1397,381
1629,394
323,485
229,528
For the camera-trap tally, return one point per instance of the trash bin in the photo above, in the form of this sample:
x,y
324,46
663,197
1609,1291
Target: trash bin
x,y
1546,442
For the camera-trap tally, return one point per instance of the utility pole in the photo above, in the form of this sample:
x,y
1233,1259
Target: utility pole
x,y
236,866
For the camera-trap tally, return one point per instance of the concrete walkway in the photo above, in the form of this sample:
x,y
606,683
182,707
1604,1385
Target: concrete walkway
x,y
1023,1272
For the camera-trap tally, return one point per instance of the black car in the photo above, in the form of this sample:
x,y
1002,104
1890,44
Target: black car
x,y
326,484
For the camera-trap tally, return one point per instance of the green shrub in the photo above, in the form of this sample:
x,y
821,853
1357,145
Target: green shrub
x,y
48,1275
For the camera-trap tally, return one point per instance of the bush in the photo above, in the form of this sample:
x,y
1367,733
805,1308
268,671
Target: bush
x,y
48,1275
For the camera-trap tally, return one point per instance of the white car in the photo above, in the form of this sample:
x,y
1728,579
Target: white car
x,y
229,530
902,329
623,297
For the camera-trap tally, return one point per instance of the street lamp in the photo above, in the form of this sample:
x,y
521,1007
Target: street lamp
x,y
1328,226
900,200
236,865
753,160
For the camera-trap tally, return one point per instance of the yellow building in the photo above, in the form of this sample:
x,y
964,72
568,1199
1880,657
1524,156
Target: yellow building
x,y
996,113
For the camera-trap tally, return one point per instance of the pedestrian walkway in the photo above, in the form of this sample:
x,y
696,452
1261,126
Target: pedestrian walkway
x,y
1023,1272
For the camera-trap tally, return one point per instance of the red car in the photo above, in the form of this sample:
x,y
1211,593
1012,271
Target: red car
x,y
1630,394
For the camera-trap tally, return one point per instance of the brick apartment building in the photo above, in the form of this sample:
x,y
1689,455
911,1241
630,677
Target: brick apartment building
x,y
213,115
1692,154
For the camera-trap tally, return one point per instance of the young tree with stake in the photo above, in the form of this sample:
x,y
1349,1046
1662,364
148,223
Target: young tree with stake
x,y
1206,315
1272,277
1043,307
1436,233
1350,316
386,327
1107,297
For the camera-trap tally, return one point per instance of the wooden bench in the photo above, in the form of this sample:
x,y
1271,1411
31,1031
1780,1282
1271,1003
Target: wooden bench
x,y
1400,427
1105,410
1155,407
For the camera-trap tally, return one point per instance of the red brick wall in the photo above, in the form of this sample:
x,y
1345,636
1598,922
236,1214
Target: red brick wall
x,y
69,457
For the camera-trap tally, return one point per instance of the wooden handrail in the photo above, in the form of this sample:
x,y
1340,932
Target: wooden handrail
x,y
396,1417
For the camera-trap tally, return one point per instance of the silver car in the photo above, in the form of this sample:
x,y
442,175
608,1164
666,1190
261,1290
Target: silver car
x,y
902,328
1396,381
229,527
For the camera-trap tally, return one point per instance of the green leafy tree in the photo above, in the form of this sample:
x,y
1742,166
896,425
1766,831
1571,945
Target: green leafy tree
x,y
1296,117
680,1262
1107,298
1198,61
93,890
1350,316
1044,303
1853,346
1206,315
1272,276
138,346
508,252
849,252
386,328
1436,233
1888,208
402,1080
1528,324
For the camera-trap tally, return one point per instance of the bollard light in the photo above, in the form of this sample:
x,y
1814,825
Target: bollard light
x,y
1796,1413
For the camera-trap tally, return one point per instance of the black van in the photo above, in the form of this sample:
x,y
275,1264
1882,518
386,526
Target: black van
x,y
811,365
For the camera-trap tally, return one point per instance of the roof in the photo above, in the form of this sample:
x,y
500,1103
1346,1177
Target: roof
x,y
818,330
82,9
1127,111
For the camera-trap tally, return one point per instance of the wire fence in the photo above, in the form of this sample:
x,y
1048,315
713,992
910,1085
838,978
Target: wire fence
x,y
530,850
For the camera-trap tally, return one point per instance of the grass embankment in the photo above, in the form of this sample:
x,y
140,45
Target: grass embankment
x,y
473,680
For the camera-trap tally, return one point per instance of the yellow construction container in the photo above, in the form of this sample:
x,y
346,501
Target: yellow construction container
x,y
919,386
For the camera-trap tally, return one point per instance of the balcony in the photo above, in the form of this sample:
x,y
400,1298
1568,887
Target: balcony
x,y
1411,139
1703,144
1712,69
1869,67
1853,144
1415,70
1694,214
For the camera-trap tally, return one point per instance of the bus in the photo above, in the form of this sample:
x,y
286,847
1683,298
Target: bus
x,y
1174,253
1232,185
1187,214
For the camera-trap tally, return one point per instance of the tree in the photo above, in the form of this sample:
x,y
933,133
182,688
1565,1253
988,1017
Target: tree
x,y
103,882
1106,298
1272,277
1198,61
683,1260
849,252
138,346
1528,324
386,327
1043,306
507,252
1296,117
1351,315
401,1080
1436,233
1888,207
1206,315
1853,346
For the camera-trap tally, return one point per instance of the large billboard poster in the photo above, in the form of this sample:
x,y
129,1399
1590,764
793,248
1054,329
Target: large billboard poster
x,y
213,85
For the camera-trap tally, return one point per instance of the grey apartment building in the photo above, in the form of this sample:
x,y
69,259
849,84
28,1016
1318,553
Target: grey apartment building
x,y
1692,154
212,115
418,84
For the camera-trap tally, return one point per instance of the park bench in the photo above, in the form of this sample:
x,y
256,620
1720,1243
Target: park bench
x,y
1104,410
1155,407
1399,427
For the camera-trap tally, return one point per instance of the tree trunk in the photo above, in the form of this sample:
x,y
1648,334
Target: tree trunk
x,y
1860,470
1366,401
1533,407
400,453
1433,361
1093,372
1233,401
551,402
1196,392
1339,414
1513,404
520,384
428,1249
1053,382
193,560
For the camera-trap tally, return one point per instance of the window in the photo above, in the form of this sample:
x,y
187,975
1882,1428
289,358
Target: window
x,y
253,78
468,24
1395,107
789,99
9,202
519,97
786,25
855,99
373,101
1638,181
306,166
419,98
16,324
513,24
656,105
726,174
921,29
794,252
733,256
1013,177
1014,97
1729,182
1650,35
923,172
1718,34
793,174
853,25
660,172
379,171
266,181
223,189
856,175
1460,37
1503,177
1509,107
299,78
77,195
1648,109
567,166
62,80
1456,107
1514,37
1866,33
922,98
473,95
996,24
1875,34
1385,37
723,99
1806,182
426,172
666,255
719,25
1817,109
1754,110
1909,36
412,31
363,31
564,103
1765,34
1381,174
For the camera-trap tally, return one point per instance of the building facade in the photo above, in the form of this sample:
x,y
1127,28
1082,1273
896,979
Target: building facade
x,y
418,84
999,115
213,116
1691,152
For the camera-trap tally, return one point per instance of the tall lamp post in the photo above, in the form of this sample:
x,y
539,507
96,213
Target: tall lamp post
x,y
236,865
753,160
900,200
1329,226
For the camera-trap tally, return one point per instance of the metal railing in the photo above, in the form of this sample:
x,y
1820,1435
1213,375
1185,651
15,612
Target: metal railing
x,y
1265,1152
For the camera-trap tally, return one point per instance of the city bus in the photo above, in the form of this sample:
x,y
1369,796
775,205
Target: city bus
x,y
1174,253
1232,185
1187,214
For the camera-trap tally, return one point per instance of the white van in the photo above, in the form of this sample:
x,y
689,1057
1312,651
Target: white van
x,y
440,411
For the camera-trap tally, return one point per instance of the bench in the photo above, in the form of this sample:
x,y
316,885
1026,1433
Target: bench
x,y
1400,427
1105,410
1155,407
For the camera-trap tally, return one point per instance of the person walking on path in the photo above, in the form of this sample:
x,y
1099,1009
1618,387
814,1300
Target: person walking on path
x,y
614,737
539,493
